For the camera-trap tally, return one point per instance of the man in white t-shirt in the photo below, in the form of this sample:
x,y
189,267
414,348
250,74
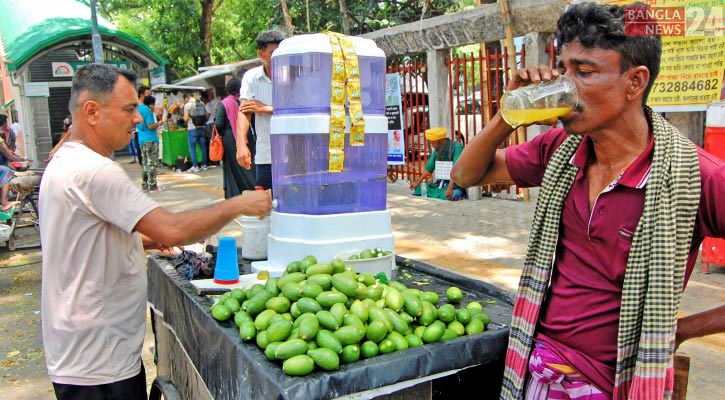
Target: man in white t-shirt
x,y
255,97
95,224
15,133
196,135
210,106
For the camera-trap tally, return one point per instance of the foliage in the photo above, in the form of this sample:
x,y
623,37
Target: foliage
x,y
365,15
234,27
173,27
170,27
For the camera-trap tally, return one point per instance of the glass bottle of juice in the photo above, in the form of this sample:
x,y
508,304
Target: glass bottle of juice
x,y
540,102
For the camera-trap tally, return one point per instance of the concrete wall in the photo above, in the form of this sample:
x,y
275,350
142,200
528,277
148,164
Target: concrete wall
x,y
482,24
435,37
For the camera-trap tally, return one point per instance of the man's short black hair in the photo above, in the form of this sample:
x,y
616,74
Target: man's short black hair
x,y
142,89
266,38
97,79
602,26
3,119
149,100
233,86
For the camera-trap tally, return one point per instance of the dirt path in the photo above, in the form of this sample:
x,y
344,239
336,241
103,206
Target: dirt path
x,y
24,376
21,347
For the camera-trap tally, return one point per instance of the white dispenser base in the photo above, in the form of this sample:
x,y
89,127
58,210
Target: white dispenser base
x,y
294,236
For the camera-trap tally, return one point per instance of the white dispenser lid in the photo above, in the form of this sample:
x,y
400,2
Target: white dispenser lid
x,y
320,43
320,124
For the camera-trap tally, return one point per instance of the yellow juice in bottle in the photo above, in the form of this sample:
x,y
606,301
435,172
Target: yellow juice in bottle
x,y
528,116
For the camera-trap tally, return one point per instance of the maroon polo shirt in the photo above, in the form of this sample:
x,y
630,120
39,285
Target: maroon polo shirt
x,y
580,316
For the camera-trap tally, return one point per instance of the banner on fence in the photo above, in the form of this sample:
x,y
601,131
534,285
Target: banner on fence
x,y
693,50
394,112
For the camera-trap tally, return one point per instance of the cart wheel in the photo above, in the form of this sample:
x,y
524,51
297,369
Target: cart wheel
x,y
11,244
163,388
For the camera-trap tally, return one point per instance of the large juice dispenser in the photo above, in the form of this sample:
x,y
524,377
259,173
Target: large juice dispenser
x,y
320,211
302,183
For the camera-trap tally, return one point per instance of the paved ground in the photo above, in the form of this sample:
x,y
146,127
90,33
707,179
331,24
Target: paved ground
x,y
483,239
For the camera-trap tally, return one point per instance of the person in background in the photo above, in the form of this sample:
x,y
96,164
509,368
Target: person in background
x,y
6,175
15,132
445,155
6,154
197,135
210,107
256,98
625,202
132,151
15,128
460,138
67,122
148,138
236,178
142,92
94,225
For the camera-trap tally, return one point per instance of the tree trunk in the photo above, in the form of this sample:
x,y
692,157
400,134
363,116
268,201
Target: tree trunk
x,y
345,17
287,18
205,30
307,7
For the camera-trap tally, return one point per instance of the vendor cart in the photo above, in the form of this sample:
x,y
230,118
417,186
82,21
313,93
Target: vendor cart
x,y
200,358
174,139
176,144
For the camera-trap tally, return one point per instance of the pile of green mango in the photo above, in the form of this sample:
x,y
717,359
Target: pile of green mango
x,y
370,253
318,315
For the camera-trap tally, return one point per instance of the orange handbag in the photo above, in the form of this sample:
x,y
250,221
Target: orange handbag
x,y
216,146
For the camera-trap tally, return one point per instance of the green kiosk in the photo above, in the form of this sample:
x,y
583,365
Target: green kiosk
x,y
174,138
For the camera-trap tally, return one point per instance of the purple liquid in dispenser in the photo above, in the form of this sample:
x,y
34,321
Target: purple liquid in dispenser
x,y
302,83
303,185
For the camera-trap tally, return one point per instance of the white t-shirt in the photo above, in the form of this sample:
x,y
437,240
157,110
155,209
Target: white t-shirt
x,y
15,127
210,109
93,301
187,110
257,86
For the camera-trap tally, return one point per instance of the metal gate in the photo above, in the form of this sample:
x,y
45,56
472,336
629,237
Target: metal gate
x,y
476,82
414,93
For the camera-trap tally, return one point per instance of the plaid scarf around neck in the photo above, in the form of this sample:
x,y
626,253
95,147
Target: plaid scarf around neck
x,y
655,268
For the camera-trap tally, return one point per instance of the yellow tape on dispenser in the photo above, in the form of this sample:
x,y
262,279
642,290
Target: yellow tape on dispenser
x,y
345,82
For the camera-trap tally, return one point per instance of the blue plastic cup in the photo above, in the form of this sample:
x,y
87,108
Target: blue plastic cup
x,y
226,270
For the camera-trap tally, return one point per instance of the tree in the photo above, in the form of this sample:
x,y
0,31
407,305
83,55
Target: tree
x,y
207,9
194,33
345,17
285,13
171,27
368,15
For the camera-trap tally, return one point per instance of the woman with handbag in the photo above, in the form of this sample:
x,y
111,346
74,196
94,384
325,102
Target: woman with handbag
x,y
236,178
